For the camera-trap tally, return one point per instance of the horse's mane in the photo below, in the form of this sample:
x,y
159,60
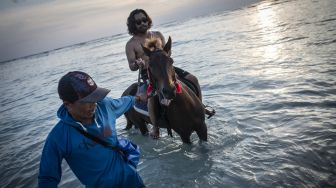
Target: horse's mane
x,y
153,44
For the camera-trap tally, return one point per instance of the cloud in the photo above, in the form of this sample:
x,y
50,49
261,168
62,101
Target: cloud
x,y
33,26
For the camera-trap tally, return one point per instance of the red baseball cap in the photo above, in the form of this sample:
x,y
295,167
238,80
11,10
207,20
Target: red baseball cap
x,y
79,86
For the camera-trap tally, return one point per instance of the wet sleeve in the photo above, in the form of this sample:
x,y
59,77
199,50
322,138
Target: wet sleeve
x,y
50,165
122,105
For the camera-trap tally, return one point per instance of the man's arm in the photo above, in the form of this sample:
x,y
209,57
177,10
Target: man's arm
x,y
131,58
50,165
123,104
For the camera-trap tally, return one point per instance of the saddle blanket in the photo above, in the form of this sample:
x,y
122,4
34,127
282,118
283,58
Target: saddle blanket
x,y
141,108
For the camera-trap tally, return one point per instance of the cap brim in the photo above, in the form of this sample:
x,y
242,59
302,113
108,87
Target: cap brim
x,y
96,95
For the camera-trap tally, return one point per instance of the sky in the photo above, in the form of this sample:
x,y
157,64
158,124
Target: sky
x,y
33,26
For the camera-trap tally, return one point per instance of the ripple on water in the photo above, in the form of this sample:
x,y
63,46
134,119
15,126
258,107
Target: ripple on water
x,y
268,70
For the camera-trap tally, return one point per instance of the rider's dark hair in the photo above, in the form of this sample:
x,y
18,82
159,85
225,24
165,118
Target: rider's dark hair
x,y
132,30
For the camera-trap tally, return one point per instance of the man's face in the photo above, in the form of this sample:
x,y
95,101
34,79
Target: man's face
x,y
141,22
82,112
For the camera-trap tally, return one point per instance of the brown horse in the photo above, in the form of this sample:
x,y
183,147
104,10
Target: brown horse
x,y
183,110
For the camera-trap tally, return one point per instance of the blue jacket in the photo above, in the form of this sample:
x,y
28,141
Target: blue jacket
x,y
93,164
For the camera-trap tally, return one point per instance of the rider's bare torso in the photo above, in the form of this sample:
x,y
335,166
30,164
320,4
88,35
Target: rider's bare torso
x,y
134,49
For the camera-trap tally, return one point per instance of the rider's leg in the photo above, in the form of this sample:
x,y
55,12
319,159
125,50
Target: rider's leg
x,y
182,74
194,80
154,112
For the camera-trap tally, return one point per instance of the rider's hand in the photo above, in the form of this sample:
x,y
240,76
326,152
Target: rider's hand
x,y
141,98
140,63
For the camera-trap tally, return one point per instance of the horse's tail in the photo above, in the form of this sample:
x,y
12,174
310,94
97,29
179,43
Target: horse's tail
x,y
210,111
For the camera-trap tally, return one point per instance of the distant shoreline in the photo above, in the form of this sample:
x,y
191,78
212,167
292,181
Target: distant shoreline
x,y
181,15
60,48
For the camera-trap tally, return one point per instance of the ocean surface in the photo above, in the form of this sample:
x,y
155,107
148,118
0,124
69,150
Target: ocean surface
x,y
268,69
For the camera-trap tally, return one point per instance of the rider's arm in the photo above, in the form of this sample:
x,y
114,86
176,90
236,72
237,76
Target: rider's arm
x,y
131,58
50,165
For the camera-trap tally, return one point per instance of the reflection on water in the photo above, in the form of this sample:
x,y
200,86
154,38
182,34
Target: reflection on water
x,y
266,20
268,69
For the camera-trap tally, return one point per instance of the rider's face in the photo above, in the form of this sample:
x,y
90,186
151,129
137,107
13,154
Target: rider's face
x,y
141,22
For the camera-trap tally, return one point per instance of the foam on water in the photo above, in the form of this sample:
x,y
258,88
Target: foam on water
x,y
268,70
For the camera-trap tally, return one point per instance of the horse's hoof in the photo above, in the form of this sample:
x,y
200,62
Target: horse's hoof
x,y
210,113
155,137
145,134
155,134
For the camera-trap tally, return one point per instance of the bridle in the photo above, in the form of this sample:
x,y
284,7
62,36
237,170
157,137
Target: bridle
x,y
152,90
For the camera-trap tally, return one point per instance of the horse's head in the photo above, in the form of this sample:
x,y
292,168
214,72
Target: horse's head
x,y
160,69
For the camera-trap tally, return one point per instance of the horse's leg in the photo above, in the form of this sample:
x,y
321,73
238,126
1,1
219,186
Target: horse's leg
x,y
183,133
133,118
202,132
128,122
139,121
185,139
142,125
193,81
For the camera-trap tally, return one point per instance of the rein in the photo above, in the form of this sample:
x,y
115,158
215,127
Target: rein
x,y
139,77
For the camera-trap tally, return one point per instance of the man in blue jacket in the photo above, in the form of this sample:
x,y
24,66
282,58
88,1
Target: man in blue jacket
x,y
86,107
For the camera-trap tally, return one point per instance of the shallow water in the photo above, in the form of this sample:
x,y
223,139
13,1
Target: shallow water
x,y
268,70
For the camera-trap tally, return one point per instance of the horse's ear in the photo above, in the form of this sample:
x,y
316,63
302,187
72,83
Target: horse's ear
x,y
167,47
146,50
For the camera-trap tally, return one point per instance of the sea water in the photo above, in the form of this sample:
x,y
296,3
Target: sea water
x,y
268,69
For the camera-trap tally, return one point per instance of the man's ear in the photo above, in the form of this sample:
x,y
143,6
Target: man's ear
x,y
67,104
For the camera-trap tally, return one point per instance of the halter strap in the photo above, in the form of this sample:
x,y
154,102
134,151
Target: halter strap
x,y
178,87
151,91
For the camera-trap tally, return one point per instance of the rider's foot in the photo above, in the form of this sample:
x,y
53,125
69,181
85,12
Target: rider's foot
x,y
155,133
210,112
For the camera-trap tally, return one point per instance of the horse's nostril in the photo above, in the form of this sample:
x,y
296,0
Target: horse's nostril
x,y
169,93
